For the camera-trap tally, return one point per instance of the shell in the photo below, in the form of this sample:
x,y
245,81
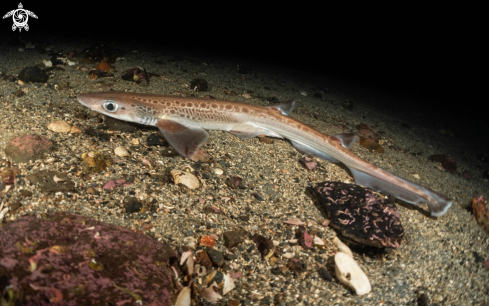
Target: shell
x,y
121,152
185,178
50,160
342,247
60,126
349,273
228,284
218,171
184,298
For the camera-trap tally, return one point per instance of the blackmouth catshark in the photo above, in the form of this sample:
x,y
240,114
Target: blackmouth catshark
x,y
183,121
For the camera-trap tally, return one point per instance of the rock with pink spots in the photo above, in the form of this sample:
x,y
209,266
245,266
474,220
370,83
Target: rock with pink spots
x,y
361,215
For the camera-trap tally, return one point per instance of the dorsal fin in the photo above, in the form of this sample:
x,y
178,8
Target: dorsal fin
x,y
285,108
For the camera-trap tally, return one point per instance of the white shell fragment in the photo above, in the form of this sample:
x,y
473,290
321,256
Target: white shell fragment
x,y
185,178
50,160
60,126
121,152
218,171
228,284
190,242
349,273
57,179
342,247
183,298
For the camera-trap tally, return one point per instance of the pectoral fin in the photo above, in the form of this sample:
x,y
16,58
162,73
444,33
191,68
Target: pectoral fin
x,y
184,140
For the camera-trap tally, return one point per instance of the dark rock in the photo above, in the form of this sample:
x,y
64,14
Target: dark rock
x,y
156,140
276,271
136,74
119,125
18,93
202,258
233,238
348,105
324,274
169,152
266,301
25,193
24,148
15,206
216,256
295,265
234,182
264,245
305,239
99,52
33,74
96,133
244,70
199,85
422,300
44,179
131,204
447,162
118,260
360,215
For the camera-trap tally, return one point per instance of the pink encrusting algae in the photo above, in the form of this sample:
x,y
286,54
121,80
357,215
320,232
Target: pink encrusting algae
x,y
64,264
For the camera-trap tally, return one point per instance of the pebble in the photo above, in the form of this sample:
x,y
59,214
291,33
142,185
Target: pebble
x,y
246,96
60,126
218,171
121,152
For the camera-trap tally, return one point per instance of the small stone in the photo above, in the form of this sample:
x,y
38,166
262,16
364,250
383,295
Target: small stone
x,y
121,152
91,190
324,274
295,265
33,74
422,300
169,152
279,298
198,84
26,193
218,171
132,204
14,206
246,96
156,140
60,127
305,239
216,256
234,238
202,258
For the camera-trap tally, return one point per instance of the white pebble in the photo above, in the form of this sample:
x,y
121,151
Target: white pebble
x,y
121,152
218,171
60,126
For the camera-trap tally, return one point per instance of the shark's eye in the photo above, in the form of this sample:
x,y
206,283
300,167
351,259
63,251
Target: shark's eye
x,y
111,106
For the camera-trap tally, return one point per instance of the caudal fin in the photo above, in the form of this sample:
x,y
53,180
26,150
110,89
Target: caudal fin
x,y
438,205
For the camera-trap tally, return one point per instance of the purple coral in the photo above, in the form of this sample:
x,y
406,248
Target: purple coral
x,y
68,259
